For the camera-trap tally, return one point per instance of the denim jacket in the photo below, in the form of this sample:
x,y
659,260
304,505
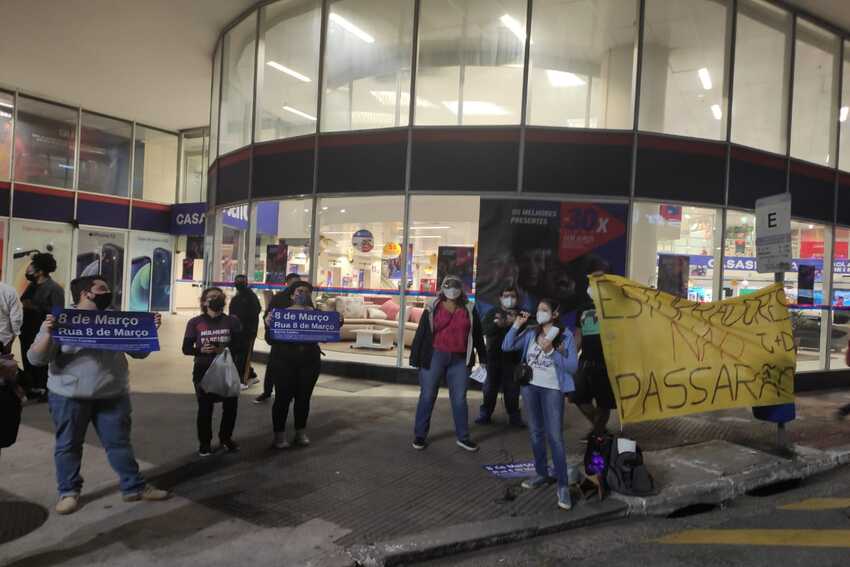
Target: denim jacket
x,y
566,363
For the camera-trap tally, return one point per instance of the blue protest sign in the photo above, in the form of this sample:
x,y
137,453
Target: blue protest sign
x,y
126,331
304,326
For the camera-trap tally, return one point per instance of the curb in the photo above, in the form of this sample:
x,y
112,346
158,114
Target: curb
x,y
476,535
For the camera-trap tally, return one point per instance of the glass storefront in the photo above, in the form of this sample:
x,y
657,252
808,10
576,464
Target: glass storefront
x,y
7,113
105,155
155,165
45,138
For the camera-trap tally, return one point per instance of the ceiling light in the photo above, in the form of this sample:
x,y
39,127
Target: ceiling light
x,y
5,114
564,79
705,78
476,108
811,226
288,71
842,114
299,113
429,227
513,24
351,28
743,220
342,210
324,208
715,110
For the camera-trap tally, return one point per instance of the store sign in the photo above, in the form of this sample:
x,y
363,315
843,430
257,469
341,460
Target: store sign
x,y
363,241
773,233
749,263
584,228
188,218
235,217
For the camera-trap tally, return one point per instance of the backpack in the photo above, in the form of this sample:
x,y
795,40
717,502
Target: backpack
x,y
627,474
597,453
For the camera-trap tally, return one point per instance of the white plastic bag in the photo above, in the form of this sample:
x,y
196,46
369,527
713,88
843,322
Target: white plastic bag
x,y
479,374
222,377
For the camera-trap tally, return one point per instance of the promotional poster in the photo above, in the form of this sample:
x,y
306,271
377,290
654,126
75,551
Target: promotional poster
x,y
101,252
33,237
150,271
547,249
673,273
456,261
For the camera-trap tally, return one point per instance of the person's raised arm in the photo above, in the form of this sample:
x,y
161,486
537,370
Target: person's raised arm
x,y
43,350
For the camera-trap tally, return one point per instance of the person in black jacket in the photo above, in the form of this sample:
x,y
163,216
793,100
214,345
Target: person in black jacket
x,y
443,347
500,364
294,367
279,299
245,306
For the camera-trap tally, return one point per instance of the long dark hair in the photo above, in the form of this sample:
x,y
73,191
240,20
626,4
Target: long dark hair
x,y
555,306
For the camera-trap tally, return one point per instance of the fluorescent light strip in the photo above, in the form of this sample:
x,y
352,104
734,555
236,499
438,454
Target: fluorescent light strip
x,y
297,112
288,71
5,114
564,79
842,114
6,104
715,110
351,28
705,78
513,24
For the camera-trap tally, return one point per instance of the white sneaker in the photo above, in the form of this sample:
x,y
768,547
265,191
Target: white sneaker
x,y
280,441
67,505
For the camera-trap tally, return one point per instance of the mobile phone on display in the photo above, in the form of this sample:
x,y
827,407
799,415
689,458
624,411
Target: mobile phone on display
x,y
112,271
140,283
161,280
552,333
88,264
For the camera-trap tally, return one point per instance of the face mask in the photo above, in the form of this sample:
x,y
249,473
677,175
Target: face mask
x,y
31,276
216,304
543,317
508,302
102,300
300,299
241,286
451,292
590,291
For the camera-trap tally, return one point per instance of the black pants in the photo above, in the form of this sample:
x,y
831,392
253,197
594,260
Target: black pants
x,y
268,382
242,360
35,376
206,403
295,373
500,377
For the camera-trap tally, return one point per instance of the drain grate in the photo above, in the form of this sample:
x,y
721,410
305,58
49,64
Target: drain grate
x,y
18,518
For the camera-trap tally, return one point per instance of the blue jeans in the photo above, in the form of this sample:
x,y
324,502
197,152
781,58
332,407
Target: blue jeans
x,y
111,420
453,367
544,411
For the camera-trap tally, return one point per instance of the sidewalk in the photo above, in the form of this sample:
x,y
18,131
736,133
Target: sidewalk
x,y
360,491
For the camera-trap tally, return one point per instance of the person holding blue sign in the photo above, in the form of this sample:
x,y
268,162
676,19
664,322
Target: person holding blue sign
x,y
207,335
294,367
88,384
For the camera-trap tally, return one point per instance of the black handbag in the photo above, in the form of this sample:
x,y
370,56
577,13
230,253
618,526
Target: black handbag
x,y
523,374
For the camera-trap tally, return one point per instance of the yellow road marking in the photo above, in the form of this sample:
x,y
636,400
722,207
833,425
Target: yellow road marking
x,y
785,538
819,504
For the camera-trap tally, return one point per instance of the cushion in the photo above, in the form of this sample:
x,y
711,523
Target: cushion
x,y
376,313
415,314
351,307
391,308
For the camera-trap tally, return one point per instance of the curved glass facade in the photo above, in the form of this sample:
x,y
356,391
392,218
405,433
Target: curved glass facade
x,y
449,134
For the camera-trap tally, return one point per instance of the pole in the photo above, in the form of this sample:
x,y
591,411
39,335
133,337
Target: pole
x,y
781,432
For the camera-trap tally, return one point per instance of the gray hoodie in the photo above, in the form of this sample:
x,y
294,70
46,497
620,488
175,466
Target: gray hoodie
x,y
84,373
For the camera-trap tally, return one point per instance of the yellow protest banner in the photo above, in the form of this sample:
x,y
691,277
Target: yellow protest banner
x,y
669,356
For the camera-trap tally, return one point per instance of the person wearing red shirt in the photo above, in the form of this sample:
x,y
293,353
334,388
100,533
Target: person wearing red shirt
x,y
448,332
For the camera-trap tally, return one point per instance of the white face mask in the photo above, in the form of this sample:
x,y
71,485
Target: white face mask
x,y
543,317
590,291
451,292
508,302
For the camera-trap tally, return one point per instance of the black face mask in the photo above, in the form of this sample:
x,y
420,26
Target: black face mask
x,y
216,304
103,300
31,277
241,286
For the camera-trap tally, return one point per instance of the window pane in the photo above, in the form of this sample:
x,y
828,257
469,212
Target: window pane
x,y
683,75
44,143
807,248
760,92
237,86
354,234
231,237
104,155
286,105
443,239
660,231
194,178
7,113
471,55
582,57
840,299
844,145
155,165
814,110
367,65
214,104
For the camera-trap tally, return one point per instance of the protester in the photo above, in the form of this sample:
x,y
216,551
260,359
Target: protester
x,y
207,335
279,299
39,298
443,347
245,306
500,364
294,367
844,410
90,385
11,317
592,384
551,354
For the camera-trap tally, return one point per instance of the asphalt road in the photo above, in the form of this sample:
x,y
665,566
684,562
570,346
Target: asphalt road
x,y
807,525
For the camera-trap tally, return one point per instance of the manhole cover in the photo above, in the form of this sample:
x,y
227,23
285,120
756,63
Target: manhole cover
x,y
18,518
